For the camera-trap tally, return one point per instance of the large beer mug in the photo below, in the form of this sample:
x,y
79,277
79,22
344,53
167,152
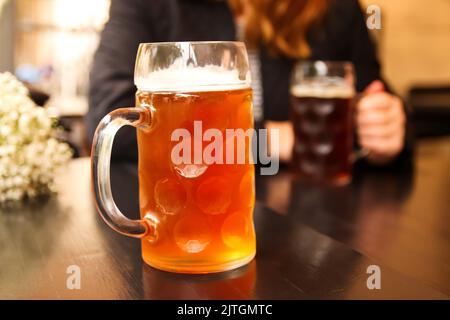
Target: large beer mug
x,y
196,212
322,95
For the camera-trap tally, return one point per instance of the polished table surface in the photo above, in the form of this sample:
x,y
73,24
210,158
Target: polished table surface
x,y
313,242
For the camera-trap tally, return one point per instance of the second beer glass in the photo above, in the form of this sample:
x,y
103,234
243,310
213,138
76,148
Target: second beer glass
x,y
321,112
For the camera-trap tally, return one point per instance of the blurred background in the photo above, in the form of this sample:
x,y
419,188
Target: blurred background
x,y
49,44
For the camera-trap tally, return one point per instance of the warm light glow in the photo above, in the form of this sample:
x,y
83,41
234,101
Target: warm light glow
x,y
80,14
61,35
2,3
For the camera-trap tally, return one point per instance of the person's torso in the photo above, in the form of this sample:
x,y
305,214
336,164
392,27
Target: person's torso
x,y
203,20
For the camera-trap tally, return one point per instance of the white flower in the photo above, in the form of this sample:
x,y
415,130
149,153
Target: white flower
x,y
29,151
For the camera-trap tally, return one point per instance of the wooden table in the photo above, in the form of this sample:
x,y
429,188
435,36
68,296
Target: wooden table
x,y
312,242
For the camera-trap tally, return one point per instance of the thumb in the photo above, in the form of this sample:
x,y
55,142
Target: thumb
x,y
375,87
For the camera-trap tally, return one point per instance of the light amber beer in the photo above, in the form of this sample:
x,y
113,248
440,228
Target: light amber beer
x,y
194,124
205,212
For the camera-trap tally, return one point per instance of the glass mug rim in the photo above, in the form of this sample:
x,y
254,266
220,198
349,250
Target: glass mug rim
x,y
188,71
344,64
312,70
240,43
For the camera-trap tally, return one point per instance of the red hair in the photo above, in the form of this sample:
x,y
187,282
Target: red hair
x,y
281,25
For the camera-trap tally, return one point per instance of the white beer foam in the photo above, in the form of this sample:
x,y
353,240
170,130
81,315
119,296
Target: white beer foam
x,y
325,92
192,79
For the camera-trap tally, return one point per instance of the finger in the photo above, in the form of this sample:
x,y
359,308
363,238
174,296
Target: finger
x,y
381,125
379,116
386,130
375,87
376,118
387,151
380,100
383,146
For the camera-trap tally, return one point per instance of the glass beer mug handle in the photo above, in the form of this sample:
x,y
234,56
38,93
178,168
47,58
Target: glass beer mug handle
x,y
100,161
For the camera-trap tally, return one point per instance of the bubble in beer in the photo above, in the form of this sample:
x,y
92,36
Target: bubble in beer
x,y
213,196
323,149
323,109
192,234
247,189
169,196
310,165
311,127
323,146
190,171
235,230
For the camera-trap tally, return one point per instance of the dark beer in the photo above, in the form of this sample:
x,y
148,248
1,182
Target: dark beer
x,y
322,120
